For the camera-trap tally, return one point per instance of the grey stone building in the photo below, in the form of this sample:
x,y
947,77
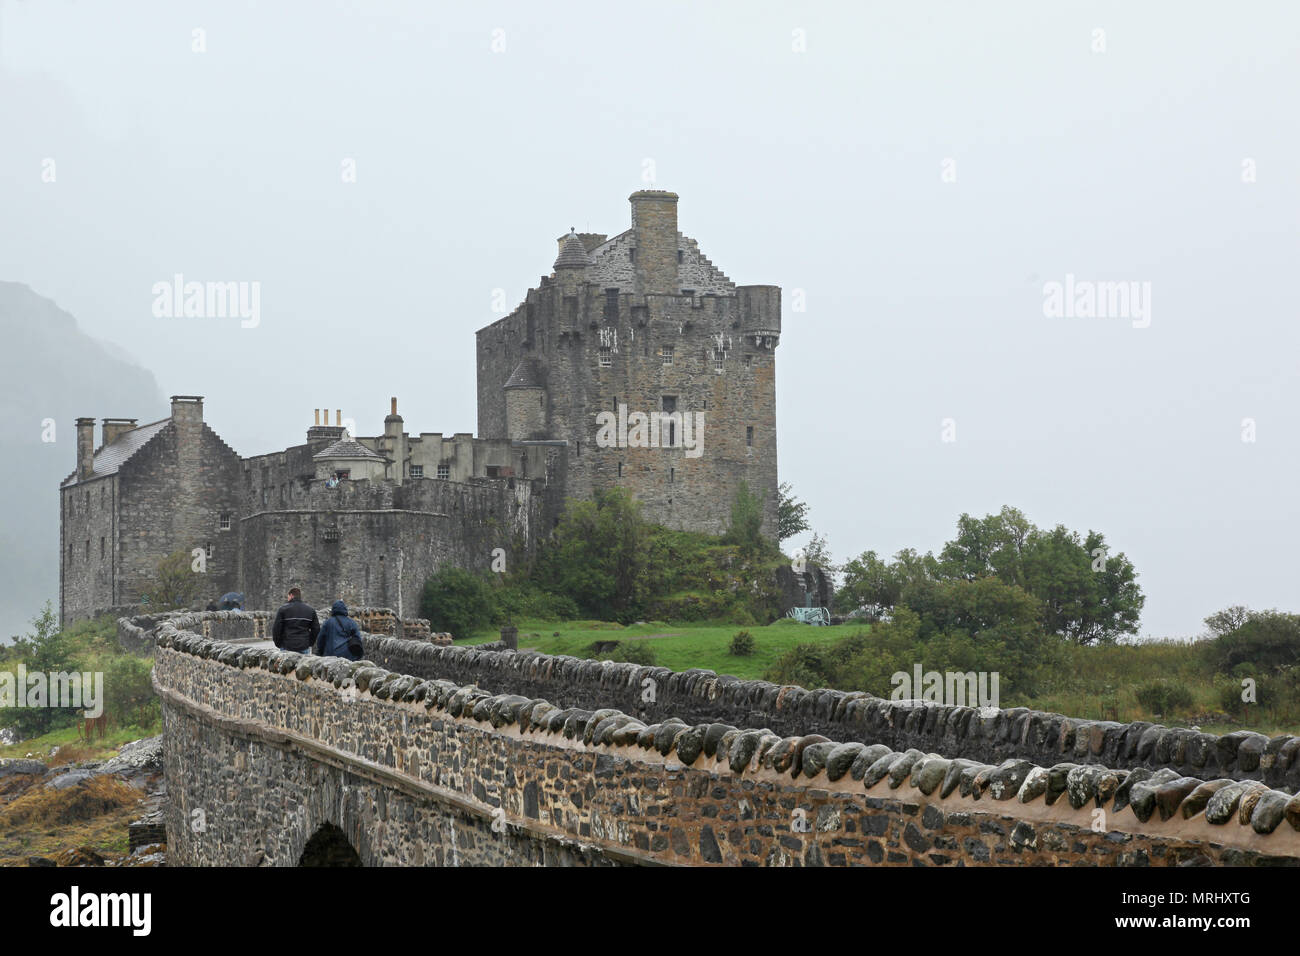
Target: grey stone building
x,y
635,363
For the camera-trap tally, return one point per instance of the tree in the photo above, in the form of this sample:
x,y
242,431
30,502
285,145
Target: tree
x,y
871,586
746,528
46,650
791,513
597,555
817,554
1228,620
456,601
176,584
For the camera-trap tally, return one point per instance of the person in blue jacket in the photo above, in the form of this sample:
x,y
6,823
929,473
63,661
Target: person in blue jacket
x,y
339,636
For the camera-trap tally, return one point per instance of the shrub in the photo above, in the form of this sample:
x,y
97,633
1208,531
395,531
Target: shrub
x,y
457,601
631,652
1268,639
1164,697
742,645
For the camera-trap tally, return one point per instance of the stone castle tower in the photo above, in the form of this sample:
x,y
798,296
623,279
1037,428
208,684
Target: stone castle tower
x,y
655,369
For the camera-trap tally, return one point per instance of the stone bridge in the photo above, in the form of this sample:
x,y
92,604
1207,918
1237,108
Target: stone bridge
x,y
427,755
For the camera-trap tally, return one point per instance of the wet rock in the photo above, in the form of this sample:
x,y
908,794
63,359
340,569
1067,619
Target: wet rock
x,y
1169,796
743,748
9,767
1269,811
952,779
929,773
801,749
690,743
1035,785
1196,801
1005,781
902,766
1058,779
865,758
1223,804
1248,801
841,758
813,757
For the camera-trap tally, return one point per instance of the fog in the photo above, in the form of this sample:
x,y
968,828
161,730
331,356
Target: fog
x,y
914,175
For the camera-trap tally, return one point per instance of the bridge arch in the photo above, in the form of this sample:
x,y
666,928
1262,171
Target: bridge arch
x,y
329,846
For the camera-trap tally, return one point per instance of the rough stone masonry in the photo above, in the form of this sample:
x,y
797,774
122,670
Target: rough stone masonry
x,y
424,770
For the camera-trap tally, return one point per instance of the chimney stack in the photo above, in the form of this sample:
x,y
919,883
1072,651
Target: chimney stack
x,y
187,408
85,448
654,229
394,401
317,419
115,427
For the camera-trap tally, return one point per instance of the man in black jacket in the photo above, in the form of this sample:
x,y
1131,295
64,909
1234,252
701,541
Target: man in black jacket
x,y
296,625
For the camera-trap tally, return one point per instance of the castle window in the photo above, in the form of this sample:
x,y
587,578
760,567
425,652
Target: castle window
x,y
620,469
680,255
343,475
211,551
611,304
631,254
101,494
417,471
263,496
444,472
69,552
523,466
223,523
87,549
579,453
718,357
749,439
102,549
667,353
672,475
606,357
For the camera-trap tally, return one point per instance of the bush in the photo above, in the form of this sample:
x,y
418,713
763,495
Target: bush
x,y
631,652
742,645
1268,640
1164,697
457,601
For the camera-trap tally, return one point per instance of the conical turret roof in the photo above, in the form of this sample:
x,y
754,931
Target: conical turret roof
x,y
573,254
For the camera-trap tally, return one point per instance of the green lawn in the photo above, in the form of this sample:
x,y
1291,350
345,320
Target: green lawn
x,y
71,746
676,647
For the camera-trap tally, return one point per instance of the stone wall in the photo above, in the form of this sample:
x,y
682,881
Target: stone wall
x,y
417,771
654,693
376,543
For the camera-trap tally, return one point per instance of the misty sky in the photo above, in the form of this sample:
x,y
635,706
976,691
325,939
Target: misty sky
x,y
819,169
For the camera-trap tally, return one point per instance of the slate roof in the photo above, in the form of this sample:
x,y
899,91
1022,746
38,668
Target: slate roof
x,y
347,448
527,374
110,458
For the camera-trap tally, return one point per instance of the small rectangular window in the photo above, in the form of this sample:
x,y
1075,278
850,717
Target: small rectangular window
x,y
667,354
606,357
749,435
444,472
224,523
417,471
102,549
718,357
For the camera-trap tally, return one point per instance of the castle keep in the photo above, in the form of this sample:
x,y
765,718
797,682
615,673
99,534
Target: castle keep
x,y
636,363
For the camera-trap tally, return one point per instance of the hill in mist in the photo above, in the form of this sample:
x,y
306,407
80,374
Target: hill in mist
x,y
51,370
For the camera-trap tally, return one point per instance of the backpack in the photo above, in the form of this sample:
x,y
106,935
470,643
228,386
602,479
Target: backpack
x,y
355,647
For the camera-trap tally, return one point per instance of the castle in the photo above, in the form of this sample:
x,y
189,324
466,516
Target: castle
x,y
636,363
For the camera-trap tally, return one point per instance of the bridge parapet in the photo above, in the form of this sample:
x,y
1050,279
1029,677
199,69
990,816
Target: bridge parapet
x,y
427,770
989,735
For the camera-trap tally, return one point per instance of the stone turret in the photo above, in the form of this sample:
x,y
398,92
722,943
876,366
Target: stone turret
x,y
395,442
525,394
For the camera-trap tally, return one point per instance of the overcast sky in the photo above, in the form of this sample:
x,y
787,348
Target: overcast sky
x,y
919,172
